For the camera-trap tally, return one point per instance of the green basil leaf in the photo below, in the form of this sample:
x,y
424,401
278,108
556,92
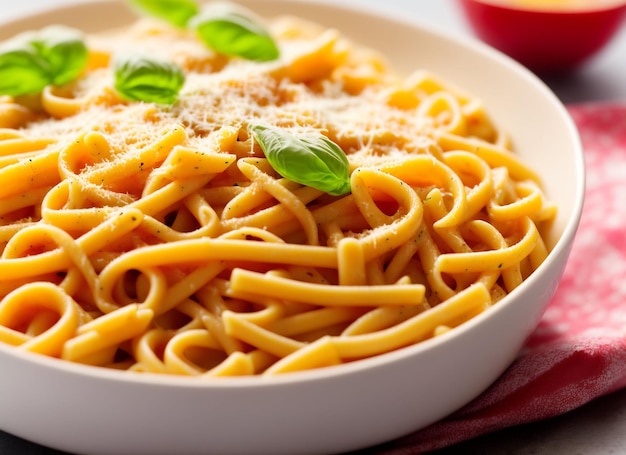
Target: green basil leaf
x,y
22,71
176,12
309,159
140,78
30,61
233,30
65,51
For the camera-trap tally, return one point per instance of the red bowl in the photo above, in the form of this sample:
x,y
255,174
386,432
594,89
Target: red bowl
x,y
546,41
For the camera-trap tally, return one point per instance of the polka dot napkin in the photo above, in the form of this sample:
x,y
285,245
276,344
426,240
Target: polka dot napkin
x,y
578,351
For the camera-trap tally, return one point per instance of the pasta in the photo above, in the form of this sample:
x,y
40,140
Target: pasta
x,y
158,239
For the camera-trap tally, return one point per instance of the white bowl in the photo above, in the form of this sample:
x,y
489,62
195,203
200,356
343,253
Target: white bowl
x,y
97,411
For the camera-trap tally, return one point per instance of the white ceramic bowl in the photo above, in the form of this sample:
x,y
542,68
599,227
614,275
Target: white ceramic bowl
x,y
91,410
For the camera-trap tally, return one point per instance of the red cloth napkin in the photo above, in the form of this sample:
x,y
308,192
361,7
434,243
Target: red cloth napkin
x,y
578,351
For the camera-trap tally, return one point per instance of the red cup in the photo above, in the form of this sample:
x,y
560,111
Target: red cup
x,y
547,41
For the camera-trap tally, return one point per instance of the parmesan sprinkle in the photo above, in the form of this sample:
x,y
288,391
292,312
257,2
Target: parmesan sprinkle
x,y
307,88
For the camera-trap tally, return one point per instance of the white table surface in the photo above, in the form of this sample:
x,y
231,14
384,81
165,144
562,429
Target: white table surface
x,y
597,428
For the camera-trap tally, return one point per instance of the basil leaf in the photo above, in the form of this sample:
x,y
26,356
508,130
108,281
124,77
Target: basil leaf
x,y
30,61
177,12
65,51
233,30
22,71
309,159
140,78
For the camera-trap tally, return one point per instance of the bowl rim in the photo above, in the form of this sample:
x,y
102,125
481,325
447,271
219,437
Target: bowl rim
x,y
563,243
614,7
